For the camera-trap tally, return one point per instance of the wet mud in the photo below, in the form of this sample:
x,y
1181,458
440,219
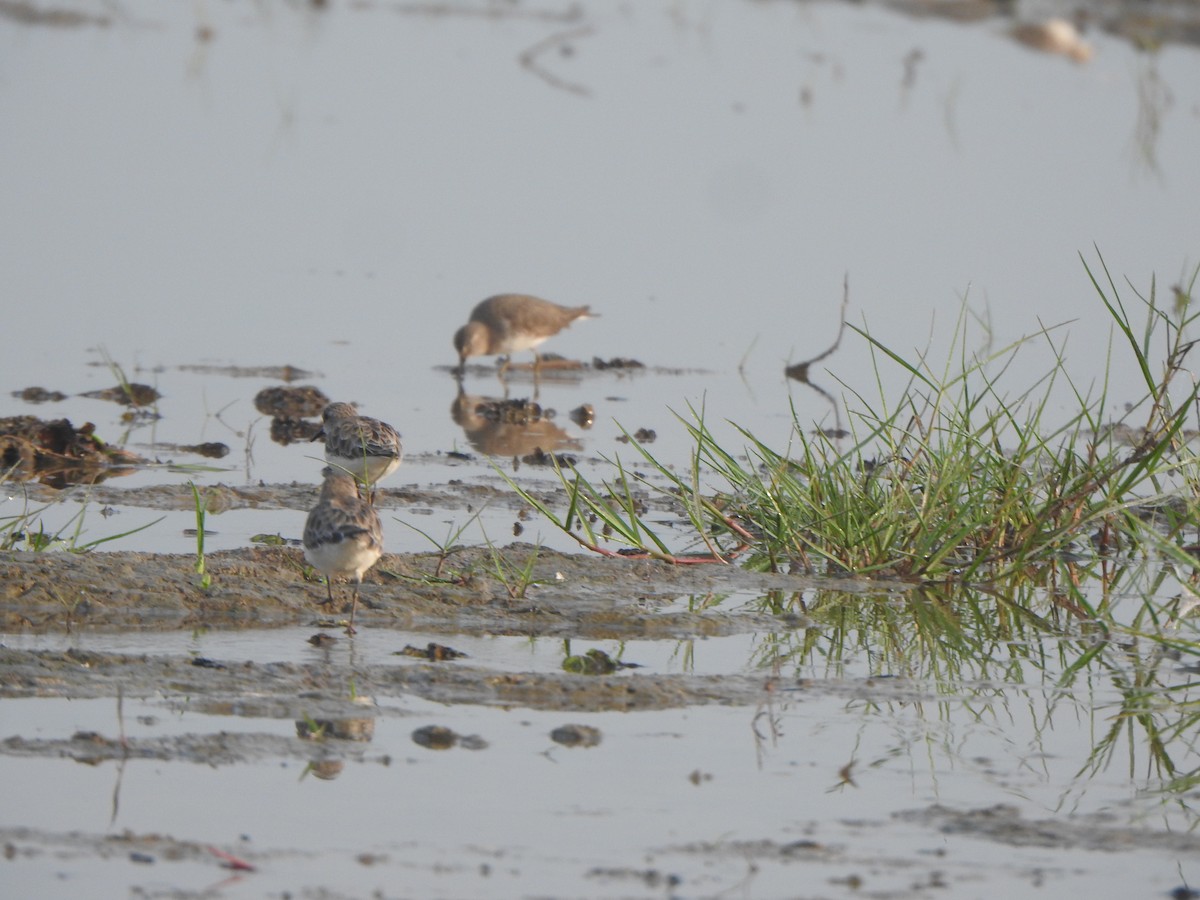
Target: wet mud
x,y
566,595
569,596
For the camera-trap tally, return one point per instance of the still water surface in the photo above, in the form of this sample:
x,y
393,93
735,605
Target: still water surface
x,y
264,184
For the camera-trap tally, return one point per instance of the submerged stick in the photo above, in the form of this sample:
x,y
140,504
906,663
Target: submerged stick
x,y
799,371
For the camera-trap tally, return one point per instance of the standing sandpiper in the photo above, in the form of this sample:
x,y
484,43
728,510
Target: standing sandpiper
x,y
342,535
364,447
508,323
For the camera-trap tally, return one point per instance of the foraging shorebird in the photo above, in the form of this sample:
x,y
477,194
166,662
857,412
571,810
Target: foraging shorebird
x,y
509,323
364,447
1054,35
342,535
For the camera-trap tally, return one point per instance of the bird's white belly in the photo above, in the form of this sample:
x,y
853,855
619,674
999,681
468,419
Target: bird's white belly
x,y
363,467
349,558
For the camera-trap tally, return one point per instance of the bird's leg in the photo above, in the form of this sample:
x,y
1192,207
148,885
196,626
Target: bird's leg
x,y
328,591
537,372
353,609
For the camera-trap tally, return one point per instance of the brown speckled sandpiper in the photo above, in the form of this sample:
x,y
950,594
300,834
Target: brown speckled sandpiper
x,y
364,447
342,535
508,323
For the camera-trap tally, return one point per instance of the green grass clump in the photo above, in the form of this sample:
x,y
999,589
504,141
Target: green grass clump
x,y
954,481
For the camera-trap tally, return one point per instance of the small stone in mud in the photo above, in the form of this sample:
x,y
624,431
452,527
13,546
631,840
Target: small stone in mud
x,y
576,736
130,394
39,395
698,778
203,662
472,742
299,402
642,436
584,416
143,858
210,450
435,737
293,431
322,639
431,651
540,457
518,529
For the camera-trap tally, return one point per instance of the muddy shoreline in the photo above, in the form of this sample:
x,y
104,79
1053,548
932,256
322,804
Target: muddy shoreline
x,y
574,596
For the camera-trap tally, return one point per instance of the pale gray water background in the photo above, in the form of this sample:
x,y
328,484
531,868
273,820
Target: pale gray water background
x,y
334,189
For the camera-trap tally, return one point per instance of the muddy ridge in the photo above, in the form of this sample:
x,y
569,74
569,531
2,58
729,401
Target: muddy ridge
x,y
573,595
569,596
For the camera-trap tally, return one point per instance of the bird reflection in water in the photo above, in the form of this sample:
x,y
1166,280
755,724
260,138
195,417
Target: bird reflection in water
x,y
502,427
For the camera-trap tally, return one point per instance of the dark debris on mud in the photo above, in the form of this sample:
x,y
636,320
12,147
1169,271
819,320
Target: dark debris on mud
x,y
1004,824
291,402
59,454
315,690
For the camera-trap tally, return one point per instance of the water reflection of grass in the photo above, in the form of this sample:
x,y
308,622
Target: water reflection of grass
x,y
1022,654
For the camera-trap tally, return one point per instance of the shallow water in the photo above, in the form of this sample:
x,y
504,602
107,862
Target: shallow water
x,y
334,189
241,185
829,781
